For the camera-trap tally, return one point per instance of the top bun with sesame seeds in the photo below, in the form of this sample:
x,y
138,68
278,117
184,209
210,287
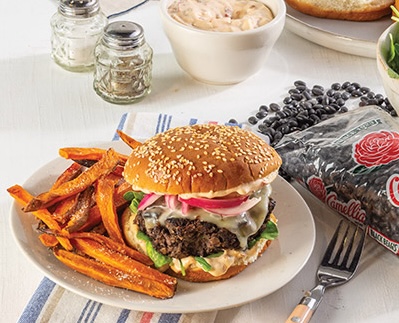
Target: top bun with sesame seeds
x,y
206,211
202,161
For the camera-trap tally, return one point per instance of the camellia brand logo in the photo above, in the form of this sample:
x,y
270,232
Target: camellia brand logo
x,y
351,209
392,188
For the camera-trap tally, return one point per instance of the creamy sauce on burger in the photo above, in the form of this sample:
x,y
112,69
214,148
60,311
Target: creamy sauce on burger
x,y
221,264
221,15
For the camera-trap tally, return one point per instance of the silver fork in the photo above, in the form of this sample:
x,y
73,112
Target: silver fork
x,y
338,266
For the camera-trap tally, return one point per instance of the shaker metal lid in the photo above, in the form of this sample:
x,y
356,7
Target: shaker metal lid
x,y
123,35
79,8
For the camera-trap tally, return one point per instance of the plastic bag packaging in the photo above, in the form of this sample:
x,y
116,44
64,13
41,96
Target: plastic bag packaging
x,y
351,163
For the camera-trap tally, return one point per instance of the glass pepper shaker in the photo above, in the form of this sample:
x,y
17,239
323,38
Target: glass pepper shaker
x,y
76,28
123,64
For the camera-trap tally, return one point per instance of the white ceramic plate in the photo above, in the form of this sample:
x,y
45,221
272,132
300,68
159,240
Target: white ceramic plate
x,y
351,37
280,263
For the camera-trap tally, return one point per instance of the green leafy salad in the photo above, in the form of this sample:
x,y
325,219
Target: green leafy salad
x,y
393,53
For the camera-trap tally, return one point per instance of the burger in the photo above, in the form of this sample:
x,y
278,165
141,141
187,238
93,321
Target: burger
x,y
201,206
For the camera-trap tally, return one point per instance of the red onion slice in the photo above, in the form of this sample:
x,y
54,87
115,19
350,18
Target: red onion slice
x,y
147,200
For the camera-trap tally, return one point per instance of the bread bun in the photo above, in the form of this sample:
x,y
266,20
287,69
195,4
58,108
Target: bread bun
x,y
355,10
203,160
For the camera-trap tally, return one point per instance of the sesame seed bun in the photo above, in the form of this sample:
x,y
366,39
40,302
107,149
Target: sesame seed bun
x,y
354,10
203,161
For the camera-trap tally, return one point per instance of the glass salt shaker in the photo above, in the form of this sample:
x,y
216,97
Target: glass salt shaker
x,y
123,65
76,28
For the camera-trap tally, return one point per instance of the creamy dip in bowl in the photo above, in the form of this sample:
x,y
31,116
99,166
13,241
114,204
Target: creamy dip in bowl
x,y
221,15
213,56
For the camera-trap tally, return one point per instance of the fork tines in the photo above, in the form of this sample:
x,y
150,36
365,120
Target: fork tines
x,y
343,251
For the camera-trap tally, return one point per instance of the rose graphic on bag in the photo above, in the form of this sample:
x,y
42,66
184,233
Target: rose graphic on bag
x,y
316,186
376,149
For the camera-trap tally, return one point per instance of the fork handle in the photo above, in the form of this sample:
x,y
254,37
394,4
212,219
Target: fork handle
x,y
304,311
301,314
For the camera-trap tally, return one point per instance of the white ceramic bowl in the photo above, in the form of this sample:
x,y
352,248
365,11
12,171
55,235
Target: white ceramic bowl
x,y
223,57
390,83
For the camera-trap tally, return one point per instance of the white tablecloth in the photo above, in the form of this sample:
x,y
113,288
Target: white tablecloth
x,y
44,107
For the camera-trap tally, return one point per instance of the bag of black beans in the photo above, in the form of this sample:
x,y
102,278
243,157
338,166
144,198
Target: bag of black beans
x,y
351,163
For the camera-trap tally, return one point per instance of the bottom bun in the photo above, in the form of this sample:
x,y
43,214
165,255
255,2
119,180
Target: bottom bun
x,y
197,275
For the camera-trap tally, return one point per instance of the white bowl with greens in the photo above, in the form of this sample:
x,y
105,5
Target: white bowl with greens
x,y
388,63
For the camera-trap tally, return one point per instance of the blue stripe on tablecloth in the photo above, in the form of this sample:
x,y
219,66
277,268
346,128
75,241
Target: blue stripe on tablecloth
x,y
94,311
193,121
158,123
169,318
37,302
123,316
169,121
163,123
90,311
83,314
120,126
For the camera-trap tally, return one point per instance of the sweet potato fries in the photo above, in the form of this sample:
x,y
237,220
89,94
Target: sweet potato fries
x,y
79,221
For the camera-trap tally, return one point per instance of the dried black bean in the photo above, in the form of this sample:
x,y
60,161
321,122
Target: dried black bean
x,y
281,114
301,88
261,114
297,96
340,102
346,84
306,106
263,128
356,93
364,89
350,88
299,83
345,95
287,100
294,91
252,120
326,100
274,107
317,91
307,95
330,93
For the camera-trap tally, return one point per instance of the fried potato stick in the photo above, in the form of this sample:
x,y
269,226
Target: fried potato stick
x,y
77,153
48,240
94,214
117,260
111,244
104,166
106,204
69,174
132,143
81,210
22,196
63,210
112,276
